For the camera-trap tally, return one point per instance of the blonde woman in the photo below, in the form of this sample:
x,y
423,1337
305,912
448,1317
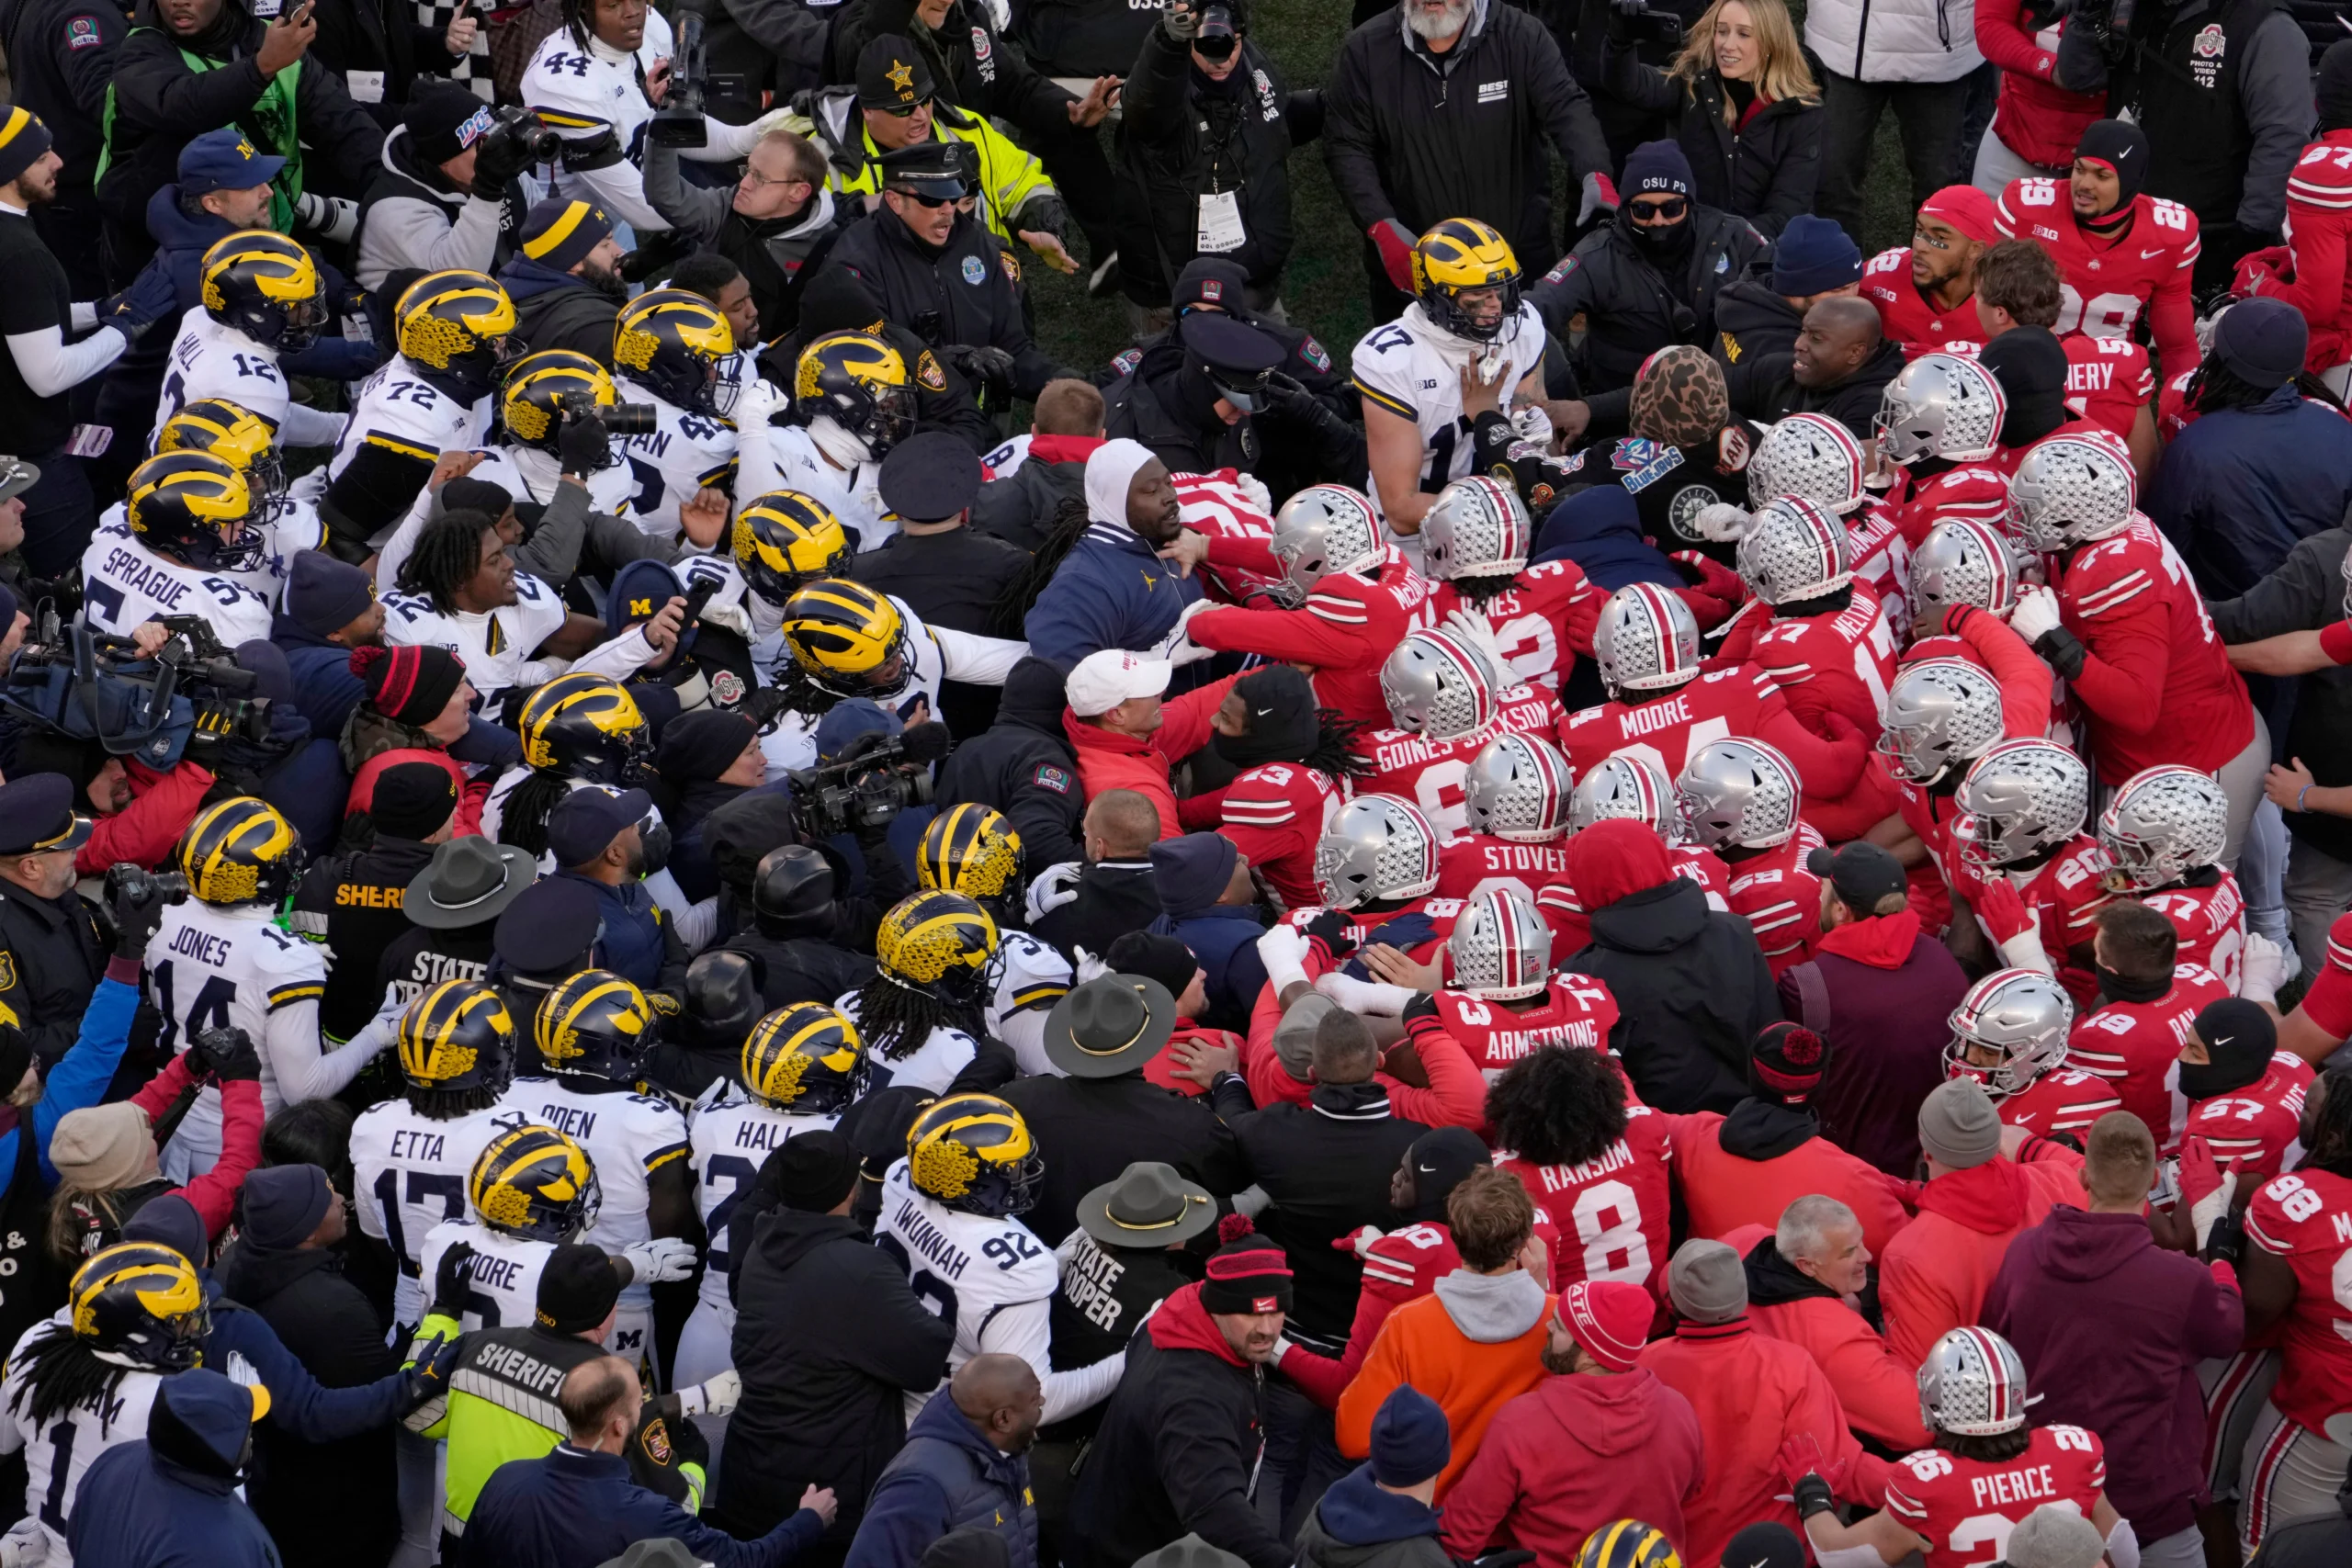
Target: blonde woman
x,y
1745,106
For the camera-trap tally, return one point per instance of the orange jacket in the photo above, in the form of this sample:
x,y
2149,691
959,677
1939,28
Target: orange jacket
x,y
1471,1379
1108,760
1724,1191
1933,1277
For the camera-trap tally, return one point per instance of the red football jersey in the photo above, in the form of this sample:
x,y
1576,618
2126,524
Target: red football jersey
x,y
1882,559
1572,928
2064,891
2311,276
2305,1217
1665,730
1611,1212
1470,864
1430,772
2212,923
1440,913
1406,1263
2329,1001
2108,381
1273,813
1216,505
2061,1102
1345,630
1779,898
1979,491
2136,1046
1930,817
1965,1508
2113,277
1845,659
2257,1130
1529,620
1909,317
1576,1009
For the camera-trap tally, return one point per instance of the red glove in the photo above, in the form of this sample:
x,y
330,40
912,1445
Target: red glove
x,y
1716,593
1578,620
1395,243
1801,1456
2002,908
1905,1192
2335,641
2201,1177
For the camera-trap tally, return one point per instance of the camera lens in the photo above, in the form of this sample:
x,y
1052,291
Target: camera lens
x,y
627,419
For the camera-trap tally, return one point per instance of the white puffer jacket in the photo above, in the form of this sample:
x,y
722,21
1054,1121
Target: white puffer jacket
x,y
1894,41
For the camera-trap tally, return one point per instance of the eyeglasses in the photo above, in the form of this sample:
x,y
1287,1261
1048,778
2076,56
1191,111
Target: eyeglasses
x,y
1665,209
757,181
899,111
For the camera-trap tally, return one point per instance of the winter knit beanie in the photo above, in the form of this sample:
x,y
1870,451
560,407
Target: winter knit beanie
x,y
1248,1274
411,685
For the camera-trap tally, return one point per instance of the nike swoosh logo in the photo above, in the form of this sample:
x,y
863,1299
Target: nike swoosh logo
x,y
2150,255
1426,1169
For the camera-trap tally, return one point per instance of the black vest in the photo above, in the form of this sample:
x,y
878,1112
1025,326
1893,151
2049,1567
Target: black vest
x,y
2185,87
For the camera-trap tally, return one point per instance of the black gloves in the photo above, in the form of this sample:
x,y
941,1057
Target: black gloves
x,y
1422,1006
1330,927
227,1056
136,899
1180,21
983,365
450,1280
583,444
151,297
498,158
2225,1243
1814,1496
2062,652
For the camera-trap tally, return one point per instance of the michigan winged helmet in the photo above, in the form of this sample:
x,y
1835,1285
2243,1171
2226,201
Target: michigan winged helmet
x,y
597,1023
806,1058
585,726
239,851
138,1304
458,1038
235,436
195,508
530,400
1462,256
847,638
973,850
535,1183
973,1152
455,322
937,943
861,384
673,344
783,540
264,285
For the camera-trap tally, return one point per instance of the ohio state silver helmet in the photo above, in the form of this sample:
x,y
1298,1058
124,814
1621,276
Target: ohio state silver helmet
x,y
1501,949
1646,639
1971,1385
1941,714
1811,455
2071,490
1627,785
1436,687
1941,406
1377,846
2347,585
2164,823
1794,550
1475,527
1322,529
2022,797
1961,561
1738,795
2023,1014
1517,789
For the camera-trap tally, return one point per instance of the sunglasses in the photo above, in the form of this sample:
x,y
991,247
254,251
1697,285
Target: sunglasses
x,y
921,200
1660,207
900,111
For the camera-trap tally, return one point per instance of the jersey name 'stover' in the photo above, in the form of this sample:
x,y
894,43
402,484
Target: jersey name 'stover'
x,y
731,1139
1965,1508
409,1174
626,1138
214,967
59,1454
971,1270
684,452
502,1287
1406,375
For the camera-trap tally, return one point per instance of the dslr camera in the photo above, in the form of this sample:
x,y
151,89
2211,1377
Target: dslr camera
x,y
860,792
1219,35
189,699
1635,21
618,419
524,128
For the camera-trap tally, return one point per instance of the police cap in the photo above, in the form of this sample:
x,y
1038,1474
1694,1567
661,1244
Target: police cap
x,y
36,816
929,478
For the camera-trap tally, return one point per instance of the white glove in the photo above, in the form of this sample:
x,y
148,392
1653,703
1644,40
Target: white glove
x,y
1472,627
2263,970
2036,613
713,1396
1282,950
1598,198
1088,967
1376,997
24,1545
661,1261
2212,1206
1259,496
1724,522
2124,1545
756,402
1054,886
1530,421
1176,648
2024,951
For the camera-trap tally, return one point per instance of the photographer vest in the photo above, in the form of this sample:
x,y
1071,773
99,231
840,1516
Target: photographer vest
x,y
2183,90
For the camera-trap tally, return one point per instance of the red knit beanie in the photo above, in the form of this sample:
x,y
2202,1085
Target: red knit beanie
x,y
1610,1318
411,685
1611,859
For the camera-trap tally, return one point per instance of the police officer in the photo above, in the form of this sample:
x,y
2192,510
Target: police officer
x,y
1023,766
1192,399
942,274
354,902
60,56
50,953
453,909
546,936
796,930
839,300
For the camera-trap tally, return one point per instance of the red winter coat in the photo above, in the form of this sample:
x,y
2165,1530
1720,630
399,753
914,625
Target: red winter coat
x,y
472,793
1877,1391
1108,760
1724,1191
1933,1277
2035,118
1454,1095
162,806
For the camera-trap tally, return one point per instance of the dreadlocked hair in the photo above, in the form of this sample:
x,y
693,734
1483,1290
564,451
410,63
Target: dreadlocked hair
x,y
1564,1105
61,1373
576,15
1485,590
1992,1449
1335,753
1061,537
448,553
448,1104
800,693
2329,1146
894,1018
524,821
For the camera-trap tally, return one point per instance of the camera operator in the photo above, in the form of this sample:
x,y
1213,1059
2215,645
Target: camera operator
x,y
565,280
797,930
777,219
448,195
52,952
2223,91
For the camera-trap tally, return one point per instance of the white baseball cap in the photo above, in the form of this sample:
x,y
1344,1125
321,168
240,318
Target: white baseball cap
x,y
1102,680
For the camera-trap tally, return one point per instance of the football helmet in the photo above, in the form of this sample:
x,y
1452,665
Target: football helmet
x,y
2071,490
141,1305
596,1024
1517,789
455,322
973,850
2024,798
1623,785
1941,714
1971,1385
1436,686
2023,1015
673,344
458,1038
938,943
1322,529
1644,640
783,540
233,435
1738,795
1457,258
2164,823
1500,950
1940,405
1961,561
806,1059
586,727
531,401
239,851
195,508
1377,846
1795,551
267,286
973,1152
861,384
535,1184
1812,456
1627,1543
847,638
1476,527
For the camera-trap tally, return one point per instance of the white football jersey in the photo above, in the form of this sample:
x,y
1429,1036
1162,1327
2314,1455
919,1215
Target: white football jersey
x,y
209,360
503,1291
1026,978
683,453
1003,462
496,644
792,462
933,654
731,1139
59,1455
1399,366
294,526
410,1173
968,1268
124,583
598,82
931,1065
212,967
523,473
397,408
628,1137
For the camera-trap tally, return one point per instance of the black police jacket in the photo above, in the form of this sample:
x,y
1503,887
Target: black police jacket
x,y
353,903
60,55
943,399
969,63
802,969
1097,1127
1023,765
1181,137
1148,405
50,961
967,291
